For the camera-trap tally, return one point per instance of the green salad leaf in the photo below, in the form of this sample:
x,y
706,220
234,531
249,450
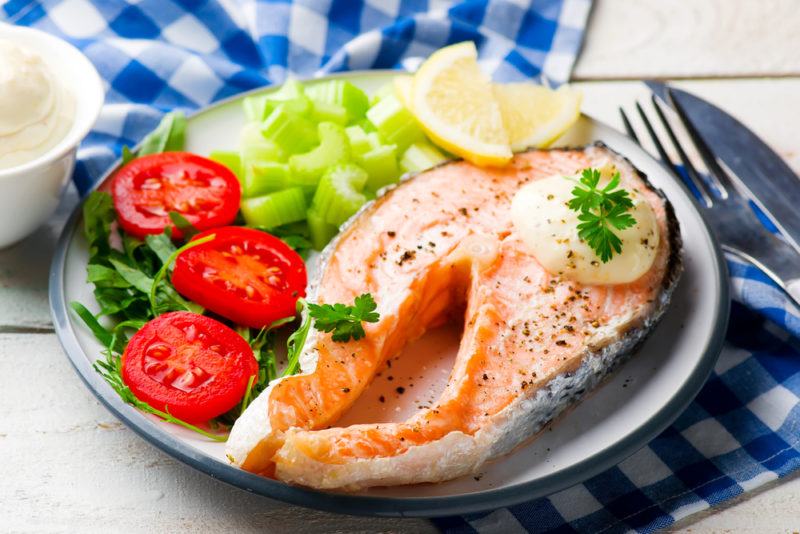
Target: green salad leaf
x,y
181,223
294,345
169,136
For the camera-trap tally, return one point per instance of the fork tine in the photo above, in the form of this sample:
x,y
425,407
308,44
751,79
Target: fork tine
x,y
721,178
628,127
656,141
663,154
694,176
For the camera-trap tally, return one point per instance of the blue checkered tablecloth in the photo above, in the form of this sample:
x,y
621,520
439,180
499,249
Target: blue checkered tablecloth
x,y
743,429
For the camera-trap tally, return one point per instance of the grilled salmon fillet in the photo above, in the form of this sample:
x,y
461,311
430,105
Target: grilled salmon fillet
x,y
441,246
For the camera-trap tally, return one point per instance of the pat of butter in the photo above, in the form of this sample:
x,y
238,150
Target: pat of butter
x,y
549,228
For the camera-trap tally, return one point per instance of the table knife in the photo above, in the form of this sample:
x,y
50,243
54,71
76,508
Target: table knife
x,y
767,179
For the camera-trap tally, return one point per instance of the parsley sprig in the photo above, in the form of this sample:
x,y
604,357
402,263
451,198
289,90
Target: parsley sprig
x,y
345,321
601,211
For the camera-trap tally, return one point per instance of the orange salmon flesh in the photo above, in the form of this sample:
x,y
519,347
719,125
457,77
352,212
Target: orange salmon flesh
x,y
441,247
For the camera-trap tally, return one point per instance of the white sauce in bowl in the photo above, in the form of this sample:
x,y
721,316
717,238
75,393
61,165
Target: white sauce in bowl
x,y
36,110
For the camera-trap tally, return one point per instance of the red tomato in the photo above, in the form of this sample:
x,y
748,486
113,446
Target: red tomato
x,y
245,275
145,190
192,366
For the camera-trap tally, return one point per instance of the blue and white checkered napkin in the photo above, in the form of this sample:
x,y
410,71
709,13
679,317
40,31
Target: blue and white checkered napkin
x,y
154,55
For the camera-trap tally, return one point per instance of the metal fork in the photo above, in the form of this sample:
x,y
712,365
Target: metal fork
x,y
728,209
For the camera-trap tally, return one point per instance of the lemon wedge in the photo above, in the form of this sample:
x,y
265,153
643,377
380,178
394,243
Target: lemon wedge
x,y
454,103
535,116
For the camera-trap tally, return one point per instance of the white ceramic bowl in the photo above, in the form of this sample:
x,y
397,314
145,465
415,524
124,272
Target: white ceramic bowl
x,y
29,193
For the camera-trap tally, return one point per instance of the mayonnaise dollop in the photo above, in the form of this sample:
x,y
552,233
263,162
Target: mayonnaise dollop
x,y
549,228
36,110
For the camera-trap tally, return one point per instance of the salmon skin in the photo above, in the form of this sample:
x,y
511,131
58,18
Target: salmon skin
x,y
441,246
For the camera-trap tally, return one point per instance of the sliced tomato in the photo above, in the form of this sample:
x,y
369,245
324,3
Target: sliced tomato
x,y
245,275
192,366
145,190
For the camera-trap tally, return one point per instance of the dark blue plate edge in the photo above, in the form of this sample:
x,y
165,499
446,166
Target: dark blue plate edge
x,y
359,504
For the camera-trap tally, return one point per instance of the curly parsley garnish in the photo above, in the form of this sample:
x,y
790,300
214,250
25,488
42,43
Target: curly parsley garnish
x,y
345,321
601,210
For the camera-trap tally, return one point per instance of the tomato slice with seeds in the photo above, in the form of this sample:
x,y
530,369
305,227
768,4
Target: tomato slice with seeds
x,y
245,275
145,190
190,365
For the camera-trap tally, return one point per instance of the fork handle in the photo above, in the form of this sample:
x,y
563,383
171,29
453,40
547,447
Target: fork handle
x,y
777,258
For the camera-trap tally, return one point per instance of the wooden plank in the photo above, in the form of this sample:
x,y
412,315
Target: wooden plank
x,y
24,270
68,462
771,508
634,39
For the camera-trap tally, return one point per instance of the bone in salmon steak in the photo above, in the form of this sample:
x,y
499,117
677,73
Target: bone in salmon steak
x,y
438,245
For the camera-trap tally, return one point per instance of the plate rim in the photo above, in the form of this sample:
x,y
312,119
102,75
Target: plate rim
x,y
385,506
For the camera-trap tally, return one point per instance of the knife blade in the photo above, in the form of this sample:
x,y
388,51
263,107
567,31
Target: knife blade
x,y
764,175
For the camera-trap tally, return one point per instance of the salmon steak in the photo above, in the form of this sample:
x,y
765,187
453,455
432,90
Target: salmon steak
x,y
442,246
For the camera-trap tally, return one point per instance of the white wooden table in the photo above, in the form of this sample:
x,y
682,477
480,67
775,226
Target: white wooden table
x,y
66,464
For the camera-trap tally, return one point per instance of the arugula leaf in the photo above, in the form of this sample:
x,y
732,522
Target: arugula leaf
x,y
294,345
133,276
182,224
124,279
169,135
299,244
161,245
345,321
162,273
100,332
293,234
105,277
98,214
263,345
601,210
127,155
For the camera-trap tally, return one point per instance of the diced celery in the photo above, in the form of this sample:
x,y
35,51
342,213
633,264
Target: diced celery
x,y
255,107
381,166
288,130
321,232
374,140
308,183
230,159
342,93
382,92
338,195
366,125
420,156
359,142
275,209
291,95
262,177
255,147
333,148
329,112
395,124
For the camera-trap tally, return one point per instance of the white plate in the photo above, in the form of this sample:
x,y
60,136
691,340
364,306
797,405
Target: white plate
x,y
631,408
